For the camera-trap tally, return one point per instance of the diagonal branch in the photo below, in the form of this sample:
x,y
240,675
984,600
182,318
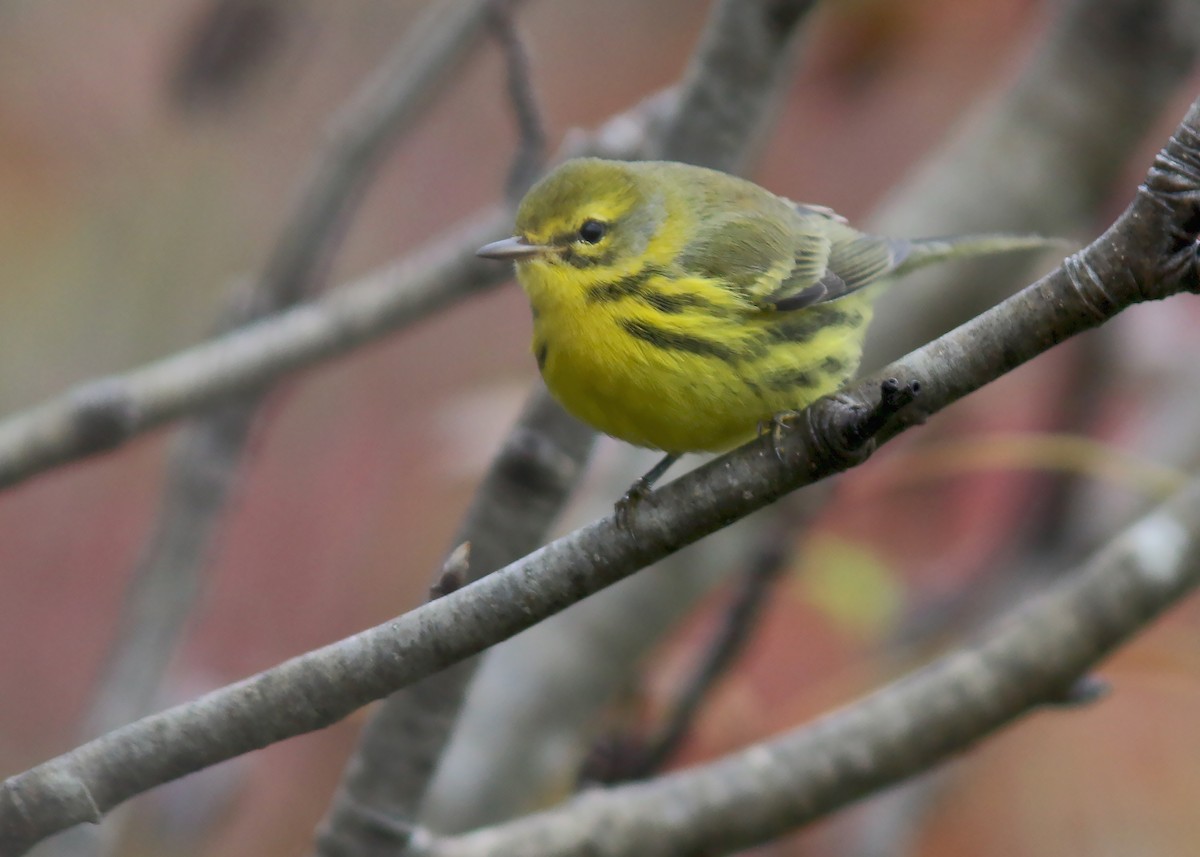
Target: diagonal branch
x,y
361,135
754,795
530,159
1072,118
746,606
1150,253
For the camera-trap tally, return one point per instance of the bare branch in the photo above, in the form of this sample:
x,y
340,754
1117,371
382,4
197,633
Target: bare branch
x,y
105,413
317,688
732,82
759,793
745,608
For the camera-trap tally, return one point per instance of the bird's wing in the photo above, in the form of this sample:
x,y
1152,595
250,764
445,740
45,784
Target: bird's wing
x,y
751,253
782,264
852,261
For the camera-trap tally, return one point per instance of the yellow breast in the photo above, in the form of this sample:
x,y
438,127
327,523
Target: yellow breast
x,y
681,364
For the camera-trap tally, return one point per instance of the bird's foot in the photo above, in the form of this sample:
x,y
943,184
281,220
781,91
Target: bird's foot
x,y
637,492
774,428
844,423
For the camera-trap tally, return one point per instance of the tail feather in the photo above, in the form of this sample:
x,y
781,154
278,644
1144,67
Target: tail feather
x,y
928,251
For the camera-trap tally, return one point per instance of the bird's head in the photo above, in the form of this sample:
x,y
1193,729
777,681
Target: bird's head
x,y
588,213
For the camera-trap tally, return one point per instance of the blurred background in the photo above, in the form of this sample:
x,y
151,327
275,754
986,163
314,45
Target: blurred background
x,y
148,157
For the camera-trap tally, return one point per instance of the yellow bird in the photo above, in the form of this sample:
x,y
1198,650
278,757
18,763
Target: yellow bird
x,y
679,308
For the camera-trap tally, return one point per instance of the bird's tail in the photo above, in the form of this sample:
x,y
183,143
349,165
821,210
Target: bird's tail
x,y
927,251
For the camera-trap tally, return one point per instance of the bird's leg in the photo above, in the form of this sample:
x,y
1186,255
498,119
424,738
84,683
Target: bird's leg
x,y
641,487
775,427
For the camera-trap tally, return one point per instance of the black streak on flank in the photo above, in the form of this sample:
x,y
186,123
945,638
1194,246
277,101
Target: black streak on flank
x,y
833,365
804,326
793,379
541,352
669,340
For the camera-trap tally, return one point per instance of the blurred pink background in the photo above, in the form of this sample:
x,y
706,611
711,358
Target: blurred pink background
x,y
125,215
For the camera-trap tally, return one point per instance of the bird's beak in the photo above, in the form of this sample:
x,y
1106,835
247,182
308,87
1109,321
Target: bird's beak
x,y
510,248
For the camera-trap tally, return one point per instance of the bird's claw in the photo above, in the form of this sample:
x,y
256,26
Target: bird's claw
x,y
637,492
775,427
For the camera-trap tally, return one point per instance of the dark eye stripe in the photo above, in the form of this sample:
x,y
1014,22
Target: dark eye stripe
x,y
579,260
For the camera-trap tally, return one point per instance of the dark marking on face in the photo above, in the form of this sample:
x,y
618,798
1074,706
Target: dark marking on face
x,y
570,255
624,287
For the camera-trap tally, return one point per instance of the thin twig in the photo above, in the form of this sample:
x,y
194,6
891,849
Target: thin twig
x,y
361,135
745,608
531,141
318,688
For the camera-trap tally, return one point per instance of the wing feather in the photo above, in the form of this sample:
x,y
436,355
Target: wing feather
x,y
809,255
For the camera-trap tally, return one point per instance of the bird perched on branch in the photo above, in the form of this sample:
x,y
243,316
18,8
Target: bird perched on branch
x,y
679,308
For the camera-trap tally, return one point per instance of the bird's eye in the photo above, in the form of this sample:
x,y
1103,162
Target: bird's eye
x,y
592,231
